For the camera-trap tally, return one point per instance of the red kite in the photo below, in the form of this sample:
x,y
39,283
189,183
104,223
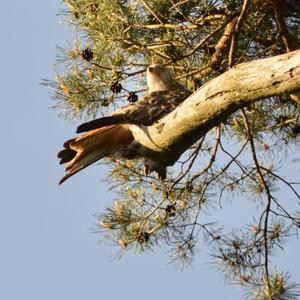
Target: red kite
x,y
111,136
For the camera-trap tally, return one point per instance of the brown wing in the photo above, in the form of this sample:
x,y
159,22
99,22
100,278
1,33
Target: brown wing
x,y
144,112
152,107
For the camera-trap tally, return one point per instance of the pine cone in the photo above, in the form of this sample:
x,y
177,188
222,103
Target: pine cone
x,y
171,210
132,97
87,54
94,7
116,87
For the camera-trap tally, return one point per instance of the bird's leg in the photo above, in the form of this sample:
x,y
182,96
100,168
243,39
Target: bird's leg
x,y
161,173
146,170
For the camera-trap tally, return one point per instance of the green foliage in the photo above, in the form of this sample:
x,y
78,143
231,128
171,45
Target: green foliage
x,y
105,66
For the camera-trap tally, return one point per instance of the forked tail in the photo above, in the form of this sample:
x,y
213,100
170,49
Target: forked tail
x,y
81,152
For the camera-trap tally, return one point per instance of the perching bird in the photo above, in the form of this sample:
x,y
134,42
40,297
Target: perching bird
x,y
111,136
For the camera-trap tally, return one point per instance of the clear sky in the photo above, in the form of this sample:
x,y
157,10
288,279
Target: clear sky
x,y
47,251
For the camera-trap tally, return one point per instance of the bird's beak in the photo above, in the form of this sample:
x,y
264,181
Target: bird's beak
x,y
153,70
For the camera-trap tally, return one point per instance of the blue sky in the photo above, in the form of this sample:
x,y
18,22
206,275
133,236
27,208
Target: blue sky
x,y
47,250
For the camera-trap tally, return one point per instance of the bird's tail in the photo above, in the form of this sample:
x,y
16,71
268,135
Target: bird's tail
x,y
81,152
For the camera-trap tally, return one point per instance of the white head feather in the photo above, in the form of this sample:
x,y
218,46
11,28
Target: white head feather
x,y
160,79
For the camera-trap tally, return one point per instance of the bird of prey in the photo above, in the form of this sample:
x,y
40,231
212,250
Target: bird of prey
x,y
111,136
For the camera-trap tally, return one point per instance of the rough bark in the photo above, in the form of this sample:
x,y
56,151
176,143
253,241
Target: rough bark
x,y
214,102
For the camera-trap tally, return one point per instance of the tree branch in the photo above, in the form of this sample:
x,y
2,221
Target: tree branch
x,y
235,35
154,14
214,102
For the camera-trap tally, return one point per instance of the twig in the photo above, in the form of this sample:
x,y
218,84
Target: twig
x,y
211,161
175,6
234,39
289,184
166,25
269,201
282,26
202,42
156,16
195,154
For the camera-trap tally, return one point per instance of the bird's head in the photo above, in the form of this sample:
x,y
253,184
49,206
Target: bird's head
x,y
159,78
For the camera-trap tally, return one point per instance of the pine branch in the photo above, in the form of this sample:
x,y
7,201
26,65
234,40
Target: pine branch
x,y
214,102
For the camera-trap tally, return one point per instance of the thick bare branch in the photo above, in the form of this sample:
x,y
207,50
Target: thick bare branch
x,y
214,102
